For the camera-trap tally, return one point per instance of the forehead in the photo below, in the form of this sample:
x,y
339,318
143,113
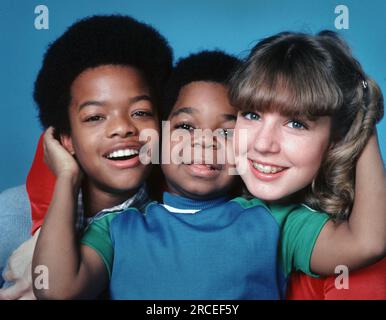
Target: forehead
x,y
109,78
206,99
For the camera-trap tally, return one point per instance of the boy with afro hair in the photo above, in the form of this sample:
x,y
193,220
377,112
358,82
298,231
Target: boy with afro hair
x,y
99,86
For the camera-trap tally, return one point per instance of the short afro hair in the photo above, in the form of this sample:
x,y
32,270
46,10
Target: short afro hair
x,y
92,42
212,66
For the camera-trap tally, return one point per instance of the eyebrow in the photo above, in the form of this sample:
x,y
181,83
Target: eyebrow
x,y
188,110
103,103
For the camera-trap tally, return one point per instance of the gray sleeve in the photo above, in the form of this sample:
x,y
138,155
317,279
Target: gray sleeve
x,y
15,223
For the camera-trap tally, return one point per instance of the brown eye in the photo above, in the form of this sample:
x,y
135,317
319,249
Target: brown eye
x,y
184,126
143,114
94,118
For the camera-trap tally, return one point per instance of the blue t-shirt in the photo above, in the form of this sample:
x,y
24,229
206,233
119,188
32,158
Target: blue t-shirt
x,y
238,249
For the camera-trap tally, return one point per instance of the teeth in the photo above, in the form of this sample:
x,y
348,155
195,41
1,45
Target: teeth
x,y
122,153
266,169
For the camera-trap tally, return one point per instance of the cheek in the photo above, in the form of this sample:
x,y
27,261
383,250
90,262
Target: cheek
x,y
83,156
227,178
150,124
86,149
242,140
307,155
169,171
175,150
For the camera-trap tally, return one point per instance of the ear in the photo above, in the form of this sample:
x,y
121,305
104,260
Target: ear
x,y
66,142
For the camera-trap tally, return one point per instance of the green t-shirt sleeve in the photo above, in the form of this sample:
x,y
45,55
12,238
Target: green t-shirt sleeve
x,y
97,236
300,227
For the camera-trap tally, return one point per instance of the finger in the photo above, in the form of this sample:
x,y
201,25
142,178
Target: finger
x,y
48,134
45,141
16,267
9,276
49,137
50,131
28,296
12,293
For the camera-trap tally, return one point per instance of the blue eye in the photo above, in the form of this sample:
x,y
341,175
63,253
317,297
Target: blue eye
x,y
250,116
184,126
296,124
225,133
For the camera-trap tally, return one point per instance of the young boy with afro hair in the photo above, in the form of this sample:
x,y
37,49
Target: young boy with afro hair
x,y
99,86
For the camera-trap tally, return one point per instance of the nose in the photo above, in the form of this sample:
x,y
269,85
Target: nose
x,y
204,138
121,126
267,139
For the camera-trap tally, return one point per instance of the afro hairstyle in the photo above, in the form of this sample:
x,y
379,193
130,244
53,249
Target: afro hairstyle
x,y
212,66
92,42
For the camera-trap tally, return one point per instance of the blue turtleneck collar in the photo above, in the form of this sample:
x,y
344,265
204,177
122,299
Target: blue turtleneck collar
x,y
180,202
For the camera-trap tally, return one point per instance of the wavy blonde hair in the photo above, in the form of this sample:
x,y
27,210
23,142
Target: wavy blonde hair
x,y
297,74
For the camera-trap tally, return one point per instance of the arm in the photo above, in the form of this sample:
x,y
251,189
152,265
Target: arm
x,y
361,240
74,271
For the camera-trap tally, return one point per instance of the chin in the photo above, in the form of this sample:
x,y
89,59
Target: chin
x,y
119,188
266,195
200,193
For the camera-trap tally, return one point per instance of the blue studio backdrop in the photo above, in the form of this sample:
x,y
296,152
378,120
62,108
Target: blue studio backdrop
x,y
232,25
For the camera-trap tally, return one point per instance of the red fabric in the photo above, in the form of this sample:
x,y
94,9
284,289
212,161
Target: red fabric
x,y
40,187
365,284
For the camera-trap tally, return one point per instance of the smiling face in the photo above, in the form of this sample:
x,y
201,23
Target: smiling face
x,y
281,155
201,105
110,105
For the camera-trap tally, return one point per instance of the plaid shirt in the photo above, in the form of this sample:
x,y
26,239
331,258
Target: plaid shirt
x,y
139,200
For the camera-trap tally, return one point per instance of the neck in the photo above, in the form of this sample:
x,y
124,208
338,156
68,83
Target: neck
x,y
176,190
96,199
295,198
186,203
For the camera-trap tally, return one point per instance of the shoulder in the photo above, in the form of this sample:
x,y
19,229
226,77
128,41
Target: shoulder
x,y
285,213
282,213
273,208
133,213
249,203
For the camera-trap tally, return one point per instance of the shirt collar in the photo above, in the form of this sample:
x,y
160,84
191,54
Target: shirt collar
x,y
180,202
137,200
